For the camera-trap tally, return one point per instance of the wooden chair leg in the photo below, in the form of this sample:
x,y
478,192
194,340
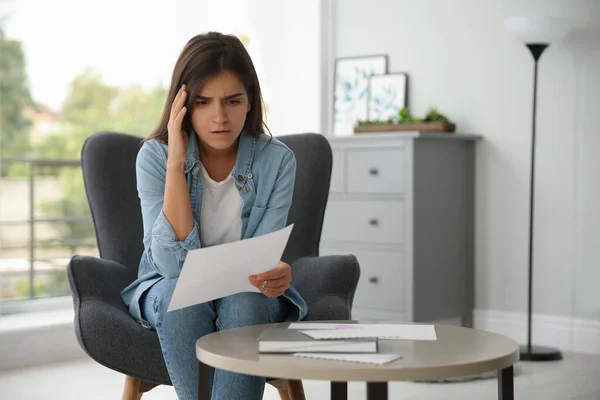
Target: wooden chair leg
x,y
296,390
132,389
289,389
135,388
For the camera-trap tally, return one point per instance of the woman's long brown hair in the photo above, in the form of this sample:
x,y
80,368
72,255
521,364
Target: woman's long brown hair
x,y
203,57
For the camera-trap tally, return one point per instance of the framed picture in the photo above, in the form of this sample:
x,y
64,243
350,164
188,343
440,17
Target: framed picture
x,y
387,95
351,87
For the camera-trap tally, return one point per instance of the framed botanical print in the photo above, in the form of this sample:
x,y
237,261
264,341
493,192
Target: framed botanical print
x,y
387,95
351,88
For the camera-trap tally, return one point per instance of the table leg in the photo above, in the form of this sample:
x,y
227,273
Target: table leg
x,y
203,381
339,391
506,389
377,391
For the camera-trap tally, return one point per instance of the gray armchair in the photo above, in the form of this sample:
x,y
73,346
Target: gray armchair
x,y
103,326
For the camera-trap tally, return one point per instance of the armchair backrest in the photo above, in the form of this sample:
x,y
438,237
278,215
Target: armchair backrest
x,y
311,190
108,165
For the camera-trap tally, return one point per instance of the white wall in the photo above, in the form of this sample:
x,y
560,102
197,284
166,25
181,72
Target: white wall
x,y
288,34
460,58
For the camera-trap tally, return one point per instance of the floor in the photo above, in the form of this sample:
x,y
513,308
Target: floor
x,y
577,377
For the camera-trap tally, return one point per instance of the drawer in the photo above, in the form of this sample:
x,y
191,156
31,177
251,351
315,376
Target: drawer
x,y
364,221
382,278
376,170
337,172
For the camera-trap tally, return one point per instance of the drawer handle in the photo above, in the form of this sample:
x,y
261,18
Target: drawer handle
x,y
374,280
374,222
373,171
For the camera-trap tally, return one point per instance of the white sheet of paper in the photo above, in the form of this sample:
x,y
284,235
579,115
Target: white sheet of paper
x,y
322,326
218,271
374,359
380,331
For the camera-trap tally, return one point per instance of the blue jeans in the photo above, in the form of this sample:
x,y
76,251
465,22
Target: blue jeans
x,y
178,331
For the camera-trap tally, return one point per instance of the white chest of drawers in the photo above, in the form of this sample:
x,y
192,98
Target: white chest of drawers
x,y
402,203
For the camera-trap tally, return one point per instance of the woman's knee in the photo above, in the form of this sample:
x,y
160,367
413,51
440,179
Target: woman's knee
x,y
156,299
159,298
161,292
247,308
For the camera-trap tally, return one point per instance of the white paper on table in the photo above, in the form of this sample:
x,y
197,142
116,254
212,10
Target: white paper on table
x,y
323,326
374,359
380,331
218,271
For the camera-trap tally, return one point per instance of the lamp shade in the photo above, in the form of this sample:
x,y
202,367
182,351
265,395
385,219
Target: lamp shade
x,y
538,30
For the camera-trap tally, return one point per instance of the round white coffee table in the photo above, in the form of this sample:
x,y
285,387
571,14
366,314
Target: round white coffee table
x,y
456,352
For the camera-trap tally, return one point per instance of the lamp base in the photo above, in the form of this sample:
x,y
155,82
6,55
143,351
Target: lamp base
x,y
539,353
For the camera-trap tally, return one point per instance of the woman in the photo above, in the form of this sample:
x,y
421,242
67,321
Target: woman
x,y
210,175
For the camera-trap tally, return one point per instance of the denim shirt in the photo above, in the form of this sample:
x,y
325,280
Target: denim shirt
x,y
264,174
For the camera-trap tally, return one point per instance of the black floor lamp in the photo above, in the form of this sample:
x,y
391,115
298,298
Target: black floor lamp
x,y
537,33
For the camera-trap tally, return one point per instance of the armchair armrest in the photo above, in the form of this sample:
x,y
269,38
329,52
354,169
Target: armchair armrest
x,y
327,284
103,326
96,279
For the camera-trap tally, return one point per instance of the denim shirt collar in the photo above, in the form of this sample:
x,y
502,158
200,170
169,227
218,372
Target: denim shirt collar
x,y
243,162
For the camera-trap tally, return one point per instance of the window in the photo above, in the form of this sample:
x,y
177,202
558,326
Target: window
x,y
72,68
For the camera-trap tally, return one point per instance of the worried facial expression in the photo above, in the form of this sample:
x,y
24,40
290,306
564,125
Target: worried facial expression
x,y
219,111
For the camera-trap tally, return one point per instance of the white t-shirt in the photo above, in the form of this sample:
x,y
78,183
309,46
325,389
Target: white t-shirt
x,y
221,213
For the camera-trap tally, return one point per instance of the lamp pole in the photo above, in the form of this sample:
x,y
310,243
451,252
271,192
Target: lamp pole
x,y
529,352
537,33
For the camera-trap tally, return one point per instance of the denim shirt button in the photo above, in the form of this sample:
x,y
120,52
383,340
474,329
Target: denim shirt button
x,y
250,175
245,189
246,214
240,178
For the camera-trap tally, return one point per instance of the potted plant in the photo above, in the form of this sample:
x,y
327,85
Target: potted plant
x,y
433,121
